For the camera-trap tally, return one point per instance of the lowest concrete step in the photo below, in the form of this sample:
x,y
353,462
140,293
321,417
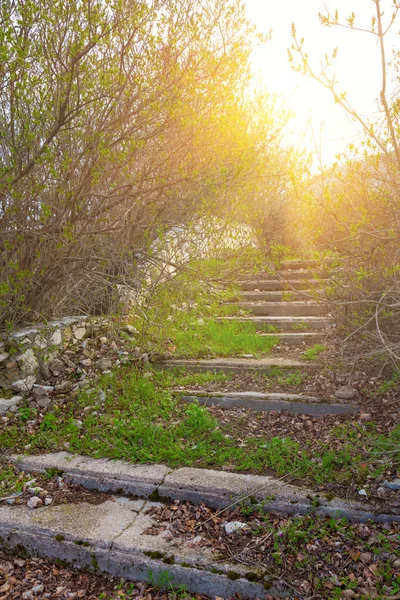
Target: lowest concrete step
x,y
293,403
280,284
113,538
286,309
285,323
119,537
235,365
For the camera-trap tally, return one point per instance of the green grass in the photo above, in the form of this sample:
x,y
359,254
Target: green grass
x,y
11,481
143,423
226,338
313,352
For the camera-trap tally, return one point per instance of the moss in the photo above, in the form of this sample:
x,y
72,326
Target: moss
x,y
233,575
20,550
185,565
252,576
80,543
155,496
62,563
329,496
169,560
59,537
95,563
216,571
154,554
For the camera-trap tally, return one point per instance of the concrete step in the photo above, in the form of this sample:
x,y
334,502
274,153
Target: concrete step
x,y
296,265
279,296
285,309
216,489
235,365
285,323
120,537
285,275
293,403
279,285
297,338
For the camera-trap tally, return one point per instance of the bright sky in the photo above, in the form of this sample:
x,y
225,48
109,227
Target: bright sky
x,y
357,64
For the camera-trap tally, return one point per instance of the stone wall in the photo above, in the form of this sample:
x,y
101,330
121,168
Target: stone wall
x,y
29,355
47,364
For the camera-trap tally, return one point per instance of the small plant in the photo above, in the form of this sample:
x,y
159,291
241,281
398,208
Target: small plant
x,y
313,352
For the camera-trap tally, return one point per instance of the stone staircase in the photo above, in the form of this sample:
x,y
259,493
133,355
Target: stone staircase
x,y
292,301
123,538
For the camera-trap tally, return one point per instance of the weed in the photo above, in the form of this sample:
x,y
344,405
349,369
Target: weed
x,y
313,352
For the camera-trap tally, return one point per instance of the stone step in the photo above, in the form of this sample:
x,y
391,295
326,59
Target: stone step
x,y
279,296
112,538
285,275
278,285
285,323
293,403
216,489
285,309
297,338
296,265
235,365
119,537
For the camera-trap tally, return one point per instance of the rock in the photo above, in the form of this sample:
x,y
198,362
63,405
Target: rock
x,y
34,502
3,357
28,363
86,362
232,526
130,329
57,366
68,362
8,405
103,340
392,485
362,492
102,396
48,500
104,364
346,393
56,338
35,491
41,395
24,385
79,333
366,557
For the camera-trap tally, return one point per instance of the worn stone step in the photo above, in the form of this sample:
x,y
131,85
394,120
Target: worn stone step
x,y
216,489
285,323
278,285
235,365
279,296
297,338
121,538
112,538
301,274
296,265
285,309
293,403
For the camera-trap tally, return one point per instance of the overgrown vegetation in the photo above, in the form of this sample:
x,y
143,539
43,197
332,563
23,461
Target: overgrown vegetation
x,y
351,209
140,421
121,123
